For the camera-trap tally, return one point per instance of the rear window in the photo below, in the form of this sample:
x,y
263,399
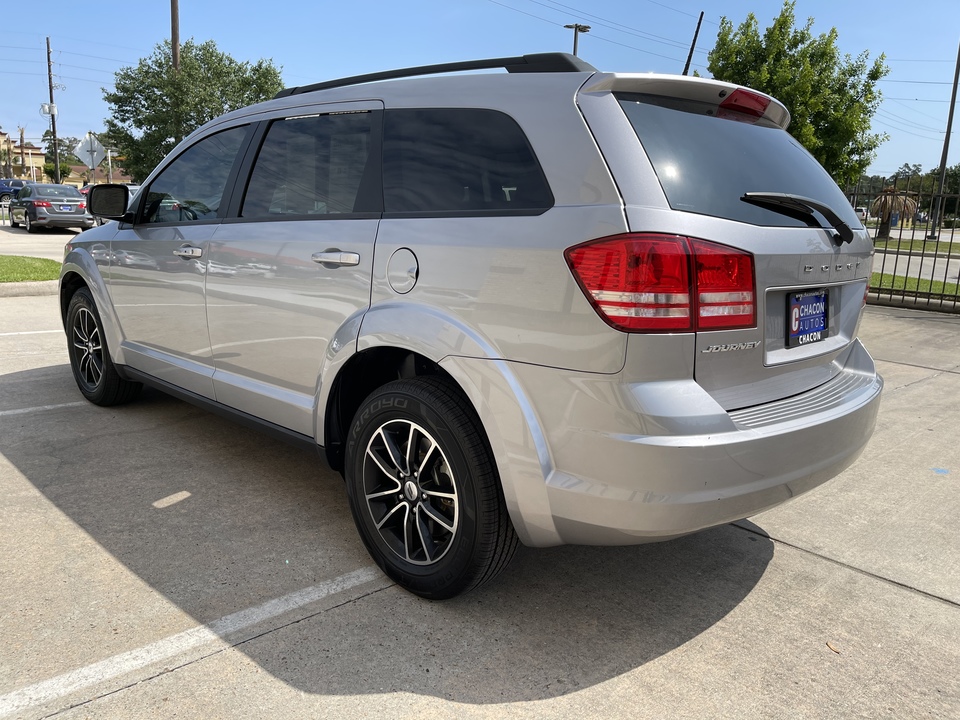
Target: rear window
x,y
55,191
706,163
459,161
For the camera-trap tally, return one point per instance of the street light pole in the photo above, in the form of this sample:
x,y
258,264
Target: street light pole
x,y
938,200
577,29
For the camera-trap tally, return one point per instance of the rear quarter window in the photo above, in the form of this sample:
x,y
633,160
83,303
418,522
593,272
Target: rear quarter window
x,y
459,161
705,162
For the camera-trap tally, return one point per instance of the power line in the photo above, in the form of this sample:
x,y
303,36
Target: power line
x,y
594,35
613,25
917,100
909,122
884,123
81,67
916,82
932,117
614,42
95,57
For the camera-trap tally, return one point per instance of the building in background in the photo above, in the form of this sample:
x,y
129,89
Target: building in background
x,y
21,161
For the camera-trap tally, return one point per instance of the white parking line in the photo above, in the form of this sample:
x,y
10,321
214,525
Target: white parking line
x,y
32,332
40,408
63,685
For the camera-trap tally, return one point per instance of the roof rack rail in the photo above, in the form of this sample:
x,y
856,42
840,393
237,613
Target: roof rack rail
x,y
540,62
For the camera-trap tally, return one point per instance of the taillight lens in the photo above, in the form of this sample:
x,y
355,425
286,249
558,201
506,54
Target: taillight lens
x,y
641,282
41,203
82,206
725,287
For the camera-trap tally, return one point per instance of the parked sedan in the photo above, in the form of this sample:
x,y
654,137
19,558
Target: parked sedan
x,y
61,206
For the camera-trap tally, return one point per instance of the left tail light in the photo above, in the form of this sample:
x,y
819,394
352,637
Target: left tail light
x,y
645,282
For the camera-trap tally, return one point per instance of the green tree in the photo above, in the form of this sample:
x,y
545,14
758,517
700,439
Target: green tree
x,y
65,171
65,145
831,97
153,107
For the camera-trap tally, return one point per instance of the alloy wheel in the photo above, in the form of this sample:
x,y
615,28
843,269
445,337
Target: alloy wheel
x,y
410,492
89,348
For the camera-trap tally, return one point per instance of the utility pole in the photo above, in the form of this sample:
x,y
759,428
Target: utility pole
x,y
23,155
175,33
53,118
943,158
577,29
696,34
175,46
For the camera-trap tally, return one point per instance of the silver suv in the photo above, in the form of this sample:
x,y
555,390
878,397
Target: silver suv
x,y
547,306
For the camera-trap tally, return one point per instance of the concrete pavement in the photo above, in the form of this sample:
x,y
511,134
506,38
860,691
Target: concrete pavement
x,y
159,561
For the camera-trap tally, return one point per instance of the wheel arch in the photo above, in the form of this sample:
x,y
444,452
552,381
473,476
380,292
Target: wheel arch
x,y
80,270
361,375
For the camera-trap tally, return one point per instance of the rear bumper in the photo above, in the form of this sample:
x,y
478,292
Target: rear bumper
x,y
64,221
699,481
615,470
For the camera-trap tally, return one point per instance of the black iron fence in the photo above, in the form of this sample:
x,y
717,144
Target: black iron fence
x,y
916,236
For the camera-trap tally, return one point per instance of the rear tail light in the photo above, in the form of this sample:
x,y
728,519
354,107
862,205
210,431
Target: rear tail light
x,y
640,282
41,203
82,206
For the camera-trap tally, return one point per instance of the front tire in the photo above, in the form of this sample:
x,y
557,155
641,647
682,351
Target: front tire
x,y
424,490
13,223
93,370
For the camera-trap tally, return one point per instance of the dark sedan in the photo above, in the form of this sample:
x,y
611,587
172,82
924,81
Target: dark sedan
x,y
61,206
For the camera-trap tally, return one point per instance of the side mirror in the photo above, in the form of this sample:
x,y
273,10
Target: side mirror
x,y
108,201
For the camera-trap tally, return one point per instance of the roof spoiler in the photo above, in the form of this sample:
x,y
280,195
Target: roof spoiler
x,y
537,63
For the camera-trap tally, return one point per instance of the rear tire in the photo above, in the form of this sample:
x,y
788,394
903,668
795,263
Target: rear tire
x,y
28,224
424,490
93,370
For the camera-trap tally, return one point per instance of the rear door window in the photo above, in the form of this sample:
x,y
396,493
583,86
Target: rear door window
x,y
459,161
314,166
706,162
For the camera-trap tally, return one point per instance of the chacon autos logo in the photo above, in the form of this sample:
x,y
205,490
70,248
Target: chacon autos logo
x,y
731,347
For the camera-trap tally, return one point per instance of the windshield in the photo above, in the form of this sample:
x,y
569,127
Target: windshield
x,y
706,162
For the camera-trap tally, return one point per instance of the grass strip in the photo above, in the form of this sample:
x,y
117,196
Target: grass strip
x,y
14,268
912,284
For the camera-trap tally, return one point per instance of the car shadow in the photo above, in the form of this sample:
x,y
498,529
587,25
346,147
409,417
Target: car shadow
x,y
262,519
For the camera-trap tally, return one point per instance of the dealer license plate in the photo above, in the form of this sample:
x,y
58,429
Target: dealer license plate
x,y
807,317
66,208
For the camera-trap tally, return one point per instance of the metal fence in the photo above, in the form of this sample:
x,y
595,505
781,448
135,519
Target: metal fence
x,y
917,241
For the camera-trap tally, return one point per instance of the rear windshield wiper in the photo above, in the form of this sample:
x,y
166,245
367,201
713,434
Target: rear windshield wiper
x,y
803,209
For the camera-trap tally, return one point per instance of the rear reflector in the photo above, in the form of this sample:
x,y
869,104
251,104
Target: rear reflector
x,y
640,282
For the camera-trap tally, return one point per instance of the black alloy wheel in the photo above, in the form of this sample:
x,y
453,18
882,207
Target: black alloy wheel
x,y
94,371
424,490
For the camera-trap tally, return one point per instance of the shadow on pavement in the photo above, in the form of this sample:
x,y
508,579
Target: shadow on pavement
x,y
263,519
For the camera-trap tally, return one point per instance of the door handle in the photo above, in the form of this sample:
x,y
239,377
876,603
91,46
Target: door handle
x,y
188,252
336,258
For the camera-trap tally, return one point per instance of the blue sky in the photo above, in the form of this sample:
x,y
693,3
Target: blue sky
x,y
313,41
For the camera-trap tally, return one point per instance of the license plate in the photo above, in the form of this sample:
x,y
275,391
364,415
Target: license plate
x,y
807,317
66,208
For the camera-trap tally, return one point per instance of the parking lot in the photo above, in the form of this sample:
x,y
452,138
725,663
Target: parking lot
x,y
162,562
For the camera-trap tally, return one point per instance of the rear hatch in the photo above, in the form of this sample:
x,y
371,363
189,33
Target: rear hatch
x,y
778,260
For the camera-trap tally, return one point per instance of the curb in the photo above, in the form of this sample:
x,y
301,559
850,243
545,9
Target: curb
x,y
24,289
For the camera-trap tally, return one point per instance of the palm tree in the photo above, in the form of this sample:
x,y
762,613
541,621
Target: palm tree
x,y
889,203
